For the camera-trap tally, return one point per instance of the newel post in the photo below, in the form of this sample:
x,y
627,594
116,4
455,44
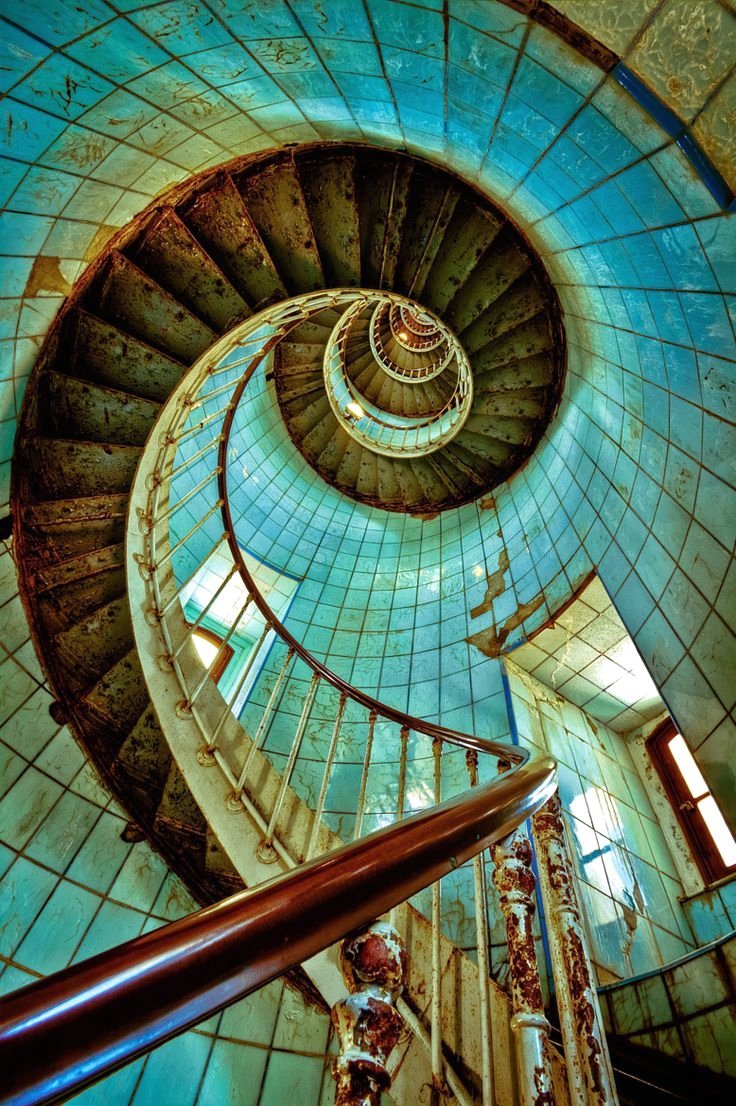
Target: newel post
x,y
590,1077
515,882
368,1027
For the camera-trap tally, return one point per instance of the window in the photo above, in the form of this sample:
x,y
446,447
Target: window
x,y
208,645
704,826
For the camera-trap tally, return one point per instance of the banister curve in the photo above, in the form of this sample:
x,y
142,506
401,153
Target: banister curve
x,y
512,754
65,1032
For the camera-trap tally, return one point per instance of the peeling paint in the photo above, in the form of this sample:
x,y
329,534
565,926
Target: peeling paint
x,y
490,642
495,585
46,276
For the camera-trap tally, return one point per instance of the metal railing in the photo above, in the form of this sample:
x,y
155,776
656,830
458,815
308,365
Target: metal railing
x,y
166,564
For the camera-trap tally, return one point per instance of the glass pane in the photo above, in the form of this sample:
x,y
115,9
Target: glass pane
x,y
719,831
689,770
206,649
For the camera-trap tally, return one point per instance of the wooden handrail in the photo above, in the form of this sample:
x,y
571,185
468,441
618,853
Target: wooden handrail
x,y
65,1032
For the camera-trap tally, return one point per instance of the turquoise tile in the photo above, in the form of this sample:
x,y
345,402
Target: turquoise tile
x,y
67,914
100,858
19,53
24,889
233,1076
291,1077
180,1063
62,758
24,808
62,832
112,925
140,878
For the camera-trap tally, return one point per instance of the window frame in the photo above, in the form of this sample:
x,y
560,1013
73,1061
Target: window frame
x,y
227,652
684,805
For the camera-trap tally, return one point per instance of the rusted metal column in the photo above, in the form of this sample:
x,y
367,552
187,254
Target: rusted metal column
x,y
368,1026
514,880
589,1072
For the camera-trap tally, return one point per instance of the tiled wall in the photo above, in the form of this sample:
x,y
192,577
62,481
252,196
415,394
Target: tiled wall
x,y
686,1011
712,913
627,877
70,887
109,104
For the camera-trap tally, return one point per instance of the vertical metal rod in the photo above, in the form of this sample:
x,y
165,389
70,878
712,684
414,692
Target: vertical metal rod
x,y
401,796
192,575
223,644
190,460
514,879
255,744
205,611
182,541
589,1071
364,776
436,1010
314,833
171,510
488,1091
293,754
239,687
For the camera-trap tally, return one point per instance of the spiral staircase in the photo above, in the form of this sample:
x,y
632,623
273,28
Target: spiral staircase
x,y
224,246
423,377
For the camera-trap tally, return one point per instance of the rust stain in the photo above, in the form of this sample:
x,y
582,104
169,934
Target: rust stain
x,y
495,585
487,503
102,235
491,641
46,276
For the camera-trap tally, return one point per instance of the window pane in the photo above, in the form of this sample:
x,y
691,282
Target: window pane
x,y
206,649
719,831
689,770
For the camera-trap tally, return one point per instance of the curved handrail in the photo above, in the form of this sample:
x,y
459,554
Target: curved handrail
x,y
511,754
65,1032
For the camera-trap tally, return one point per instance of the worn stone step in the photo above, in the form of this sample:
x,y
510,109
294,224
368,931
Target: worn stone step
x,y
62,469
219,219
90,647
514,307
132,300
85,411
145,756
275,201
496,271
120,697
382,183
328,185
535,337
179,263
62,529
431,206
108,355
469,234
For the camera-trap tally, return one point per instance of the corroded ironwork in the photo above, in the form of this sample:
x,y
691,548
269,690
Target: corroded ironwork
x,y
367,1024
589,1073
515,882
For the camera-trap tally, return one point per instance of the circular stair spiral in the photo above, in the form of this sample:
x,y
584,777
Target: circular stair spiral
x,y
212,253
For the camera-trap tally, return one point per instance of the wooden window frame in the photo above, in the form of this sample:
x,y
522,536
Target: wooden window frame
x,y
690,820
226,656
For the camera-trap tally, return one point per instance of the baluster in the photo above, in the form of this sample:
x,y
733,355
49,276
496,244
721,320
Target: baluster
x,y
367,1024
488,1095
204,612
202,682
234,799
265,851
589,1072
190,460
401,796
312,843
514,879
173,508
364,775
181,588
161,561
436,1007
206,755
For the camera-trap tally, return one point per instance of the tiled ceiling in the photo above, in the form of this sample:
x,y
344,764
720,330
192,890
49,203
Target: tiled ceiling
x,y
588,657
